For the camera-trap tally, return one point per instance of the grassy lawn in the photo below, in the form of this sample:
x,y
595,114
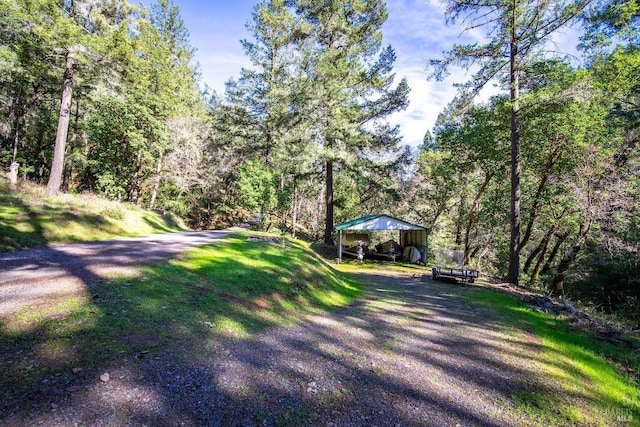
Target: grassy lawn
x,y
28,218
233,288
588,381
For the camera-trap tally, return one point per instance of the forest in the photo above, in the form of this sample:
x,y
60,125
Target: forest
x,y
539,186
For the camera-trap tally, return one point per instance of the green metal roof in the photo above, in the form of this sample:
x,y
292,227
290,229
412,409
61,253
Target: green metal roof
x,y
378,222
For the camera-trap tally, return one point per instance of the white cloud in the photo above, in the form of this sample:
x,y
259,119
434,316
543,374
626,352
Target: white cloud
x,y
417,30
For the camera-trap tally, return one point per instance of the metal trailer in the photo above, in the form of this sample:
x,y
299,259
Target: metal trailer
x,y
467,275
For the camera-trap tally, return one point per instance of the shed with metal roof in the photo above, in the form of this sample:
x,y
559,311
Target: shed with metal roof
x,y
410,234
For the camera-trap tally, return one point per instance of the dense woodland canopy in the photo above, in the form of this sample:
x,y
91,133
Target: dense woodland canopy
x,y
540,185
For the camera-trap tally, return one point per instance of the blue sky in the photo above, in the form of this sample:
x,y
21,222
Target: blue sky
x,y
415,29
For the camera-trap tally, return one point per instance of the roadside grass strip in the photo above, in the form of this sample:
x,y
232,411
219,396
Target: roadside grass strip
x,y
29,218
237,287
585,381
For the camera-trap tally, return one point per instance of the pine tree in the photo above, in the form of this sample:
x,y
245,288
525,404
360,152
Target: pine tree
x,y
353,88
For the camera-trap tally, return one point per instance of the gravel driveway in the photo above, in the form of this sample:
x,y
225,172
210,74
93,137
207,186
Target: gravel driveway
x,y
410,352
31,275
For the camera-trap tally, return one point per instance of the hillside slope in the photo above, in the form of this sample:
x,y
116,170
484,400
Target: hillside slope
x,y
29,218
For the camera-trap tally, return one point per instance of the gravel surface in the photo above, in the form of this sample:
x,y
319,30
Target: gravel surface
x,y
409,352
32,275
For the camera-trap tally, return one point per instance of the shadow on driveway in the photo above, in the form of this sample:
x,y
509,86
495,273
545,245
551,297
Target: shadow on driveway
x,y
408,353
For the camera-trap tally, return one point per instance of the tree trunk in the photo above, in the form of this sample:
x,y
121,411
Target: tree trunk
x,y
541,253
557,286
537,202
459,220
57,165
68,170
473,214
328,202
475,251
535,274
294,208
87,179
514,243
317,217
156,184
619,160
16,139
554,252
12,175
544,243
134,191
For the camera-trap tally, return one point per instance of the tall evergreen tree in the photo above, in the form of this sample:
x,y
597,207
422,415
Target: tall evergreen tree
x,y
353,91
517,30
317,95
66,36
29,75
79,29
261,118
267,88
154,87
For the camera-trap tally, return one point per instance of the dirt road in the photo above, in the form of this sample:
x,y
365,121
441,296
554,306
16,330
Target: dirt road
x,y
29,276
410,352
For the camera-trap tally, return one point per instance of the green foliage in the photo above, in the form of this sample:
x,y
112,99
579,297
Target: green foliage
x,y
257,186
516,34
610,22
519,28
459,186
609,270
578,170
118,131
316,98
308,118
133,77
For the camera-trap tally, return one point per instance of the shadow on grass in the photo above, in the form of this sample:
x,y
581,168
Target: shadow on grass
x,y
163,221
197,344
112,322
25,224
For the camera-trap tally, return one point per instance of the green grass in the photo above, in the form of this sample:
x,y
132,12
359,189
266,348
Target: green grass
x,y
28,218
586,381
233,288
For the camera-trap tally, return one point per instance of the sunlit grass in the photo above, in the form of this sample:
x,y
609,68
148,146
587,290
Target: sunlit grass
x,y
29,219
584,386
384,267
236,288
286,276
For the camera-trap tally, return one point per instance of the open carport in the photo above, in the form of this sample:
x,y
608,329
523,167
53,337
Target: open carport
x,y
410,235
